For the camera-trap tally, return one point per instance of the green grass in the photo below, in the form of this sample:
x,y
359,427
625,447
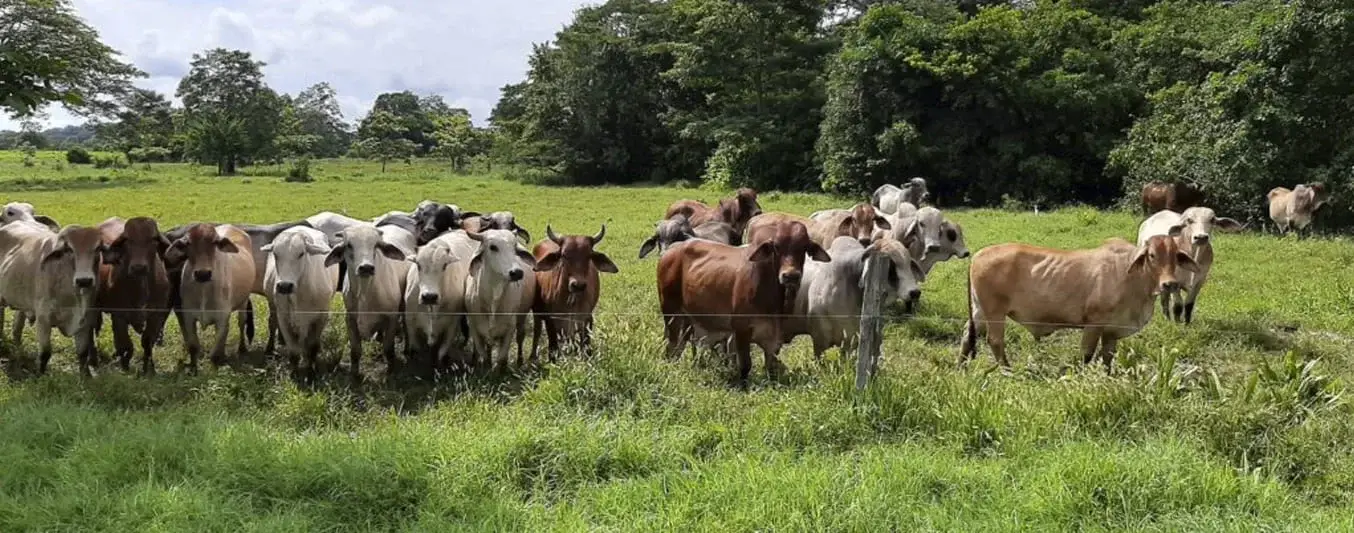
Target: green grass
x,y
1190,433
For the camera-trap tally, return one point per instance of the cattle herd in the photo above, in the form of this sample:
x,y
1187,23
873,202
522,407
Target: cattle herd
x,y
459,287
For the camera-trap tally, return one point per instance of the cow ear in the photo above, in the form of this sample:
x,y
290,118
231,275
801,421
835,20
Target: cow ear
x,y
470,214
604,264
648,246
817,253
335,255
548,262
845,227
1228,224
526,257
764,252
227,245
390,251
47,221
911,233
1183,260
477,261
162,244
55,255
1176,230
917,270
882,223
1139,259
112,253
521,232
174,254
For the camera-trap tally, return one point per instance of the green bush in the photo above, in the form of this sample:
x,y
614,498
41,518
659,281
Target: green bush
x,y
78,156
150,154
299,171
110,161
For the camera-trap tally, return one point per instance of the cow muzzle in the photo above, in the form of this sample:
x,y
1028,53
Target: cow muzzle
x,y
791,278
913,295
577,286
1201,238
202,276
515,275
963,255
367,270
865,241
285,287
84,282
1170,286
428,298
138,269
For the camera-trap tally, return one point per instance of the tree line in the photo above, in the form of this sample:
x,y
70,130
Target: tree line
x,y
996,102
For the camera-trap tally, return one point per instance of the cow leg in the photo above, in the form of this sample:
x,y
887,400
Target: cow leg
x,y
536,327
1108,346
122,341
521,335
18,333
1090,338
585,338
245,322
996,339
271,347
155,326
354,348
553,337
191,342
218,356
678,333
85,350
391,329
742,346
43,331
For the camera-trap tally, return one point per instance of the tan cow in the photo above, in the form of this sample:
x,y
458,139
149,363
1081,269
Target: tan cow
x,y
860,223
1293,209
218,275
820,231
1108,292
52,277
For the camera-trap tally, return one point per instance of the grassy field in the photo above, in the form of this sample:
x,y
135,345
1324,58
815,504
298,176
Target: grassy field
x,y
1236,423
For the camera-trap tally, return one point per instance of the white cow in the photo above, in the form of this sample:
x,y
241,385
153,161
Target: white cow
x,y
828,304
331,223
888,198
53,278
1193,235
300,288
373,287
434,296
24,211
499,293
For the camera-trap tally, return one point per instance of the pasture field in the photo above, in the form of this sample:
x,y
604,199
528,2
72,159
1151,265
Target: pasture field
x,y
1236,423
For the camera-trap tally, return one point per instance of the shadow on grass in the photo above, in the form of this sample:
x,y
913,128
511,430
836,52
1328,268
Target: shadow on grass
x,y
78,183
1247,332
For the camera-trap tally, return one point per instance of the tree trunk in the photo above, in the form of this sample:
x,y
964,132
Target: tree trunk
x,y
230,165
383,166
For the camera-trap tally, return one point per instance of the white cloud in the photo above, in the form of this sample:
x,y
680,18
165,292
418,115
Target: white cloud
x,y
464,50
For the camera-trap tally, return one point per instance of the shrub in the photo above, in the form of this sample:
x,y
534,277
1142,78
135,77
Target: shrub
x,y
150,154
299,171
78,156
30,154
110,161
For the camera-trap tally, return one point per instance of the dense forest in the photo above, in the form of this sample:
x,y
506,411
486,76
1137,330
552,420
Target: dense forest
x,y
1016,103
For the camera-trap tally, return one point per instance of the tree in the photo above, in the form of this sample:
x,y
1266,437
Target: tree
x,y
411,121
145,120
227,87
48,54
318,115
457,139
383,138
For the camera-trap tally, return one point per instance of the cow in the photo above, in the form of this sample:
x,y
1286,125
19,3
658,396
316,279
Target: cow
x,y
299,288
568,285
398,218
435,218
434,297
888,198
499,294
1108,292
1293,209
860,222
134,287
736,211
25,211
744,292
374,286
828,304
678,229
1192,231
53,278
822,232
1158,196
216,280
503,220
331,223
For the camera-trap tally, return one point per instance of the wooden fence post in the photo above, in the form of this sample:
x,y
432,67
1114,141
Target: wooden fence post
x,y
871,319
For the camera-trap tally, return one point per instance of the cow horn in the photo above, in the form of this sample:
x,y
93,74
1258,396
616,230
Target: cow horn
x,y
550,234
598,237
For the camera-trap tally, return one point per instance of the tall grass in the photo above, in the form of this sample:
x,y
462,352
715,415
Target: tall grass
x,y
1237,422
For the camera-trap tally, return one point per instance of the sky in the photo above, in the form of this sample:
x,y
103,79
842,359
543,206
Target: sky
x,y
464,50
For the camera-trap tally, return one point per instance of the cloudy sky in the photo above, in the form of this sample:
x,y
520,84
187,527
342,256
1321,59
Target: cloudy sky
x,y
464,50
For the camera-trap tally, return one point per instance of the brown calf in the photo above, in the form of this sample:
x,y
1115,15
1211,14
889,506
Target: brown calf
x,y
134,285
736,211
1177,197
567,289
743,292
859,223
1108,292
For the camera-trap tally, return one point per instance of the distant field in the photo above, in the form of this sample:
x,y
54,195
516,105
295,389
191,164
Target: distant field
x,y
1188,435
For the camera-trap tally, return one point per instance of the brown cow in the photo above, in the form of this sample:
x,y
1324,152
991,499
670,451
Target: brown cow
x,y
134,285
1108,292
859,222
736,211
1177,197
218,275
567,289
743,292
823,230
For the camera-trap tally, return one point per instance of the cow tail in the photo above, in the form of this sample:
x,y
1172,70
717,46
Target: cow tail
x,y
968,347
